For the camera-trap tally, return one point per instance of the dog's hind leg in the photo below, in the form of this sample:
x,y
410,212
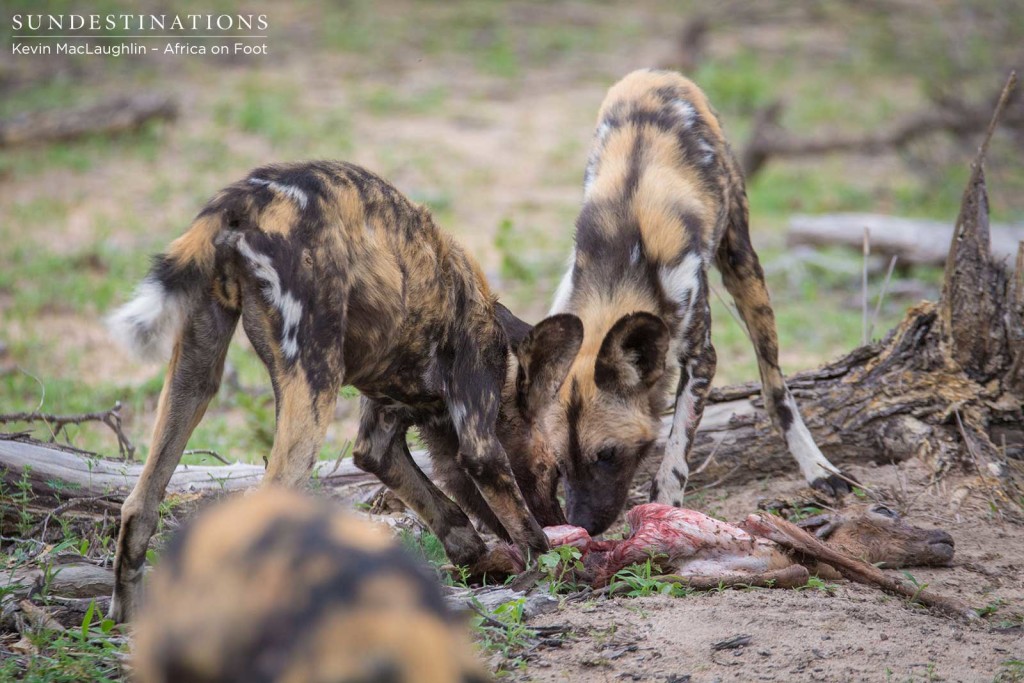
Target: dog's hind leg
x,y
193,377
304,412
743,277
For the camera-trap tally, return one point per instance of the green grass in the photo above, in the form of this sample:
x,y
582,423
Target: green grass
x,y
505,634
88,654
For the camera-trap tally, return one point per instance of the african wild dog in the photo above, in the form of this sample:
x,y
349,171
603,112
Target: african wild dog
x,y
663,199
338,278
278,586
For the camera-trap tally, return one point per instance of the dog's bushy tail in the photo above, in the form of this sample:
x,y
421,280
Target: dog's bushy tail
x,y
150,324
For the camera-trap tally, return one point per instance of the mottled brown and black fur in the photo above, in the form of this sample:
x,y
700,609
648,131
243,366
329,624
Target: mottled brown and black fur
x,y
339,279
277,586
663,199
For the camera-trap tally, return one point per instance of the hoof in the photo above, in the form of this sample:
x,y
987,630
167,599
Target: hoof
x,y
832,485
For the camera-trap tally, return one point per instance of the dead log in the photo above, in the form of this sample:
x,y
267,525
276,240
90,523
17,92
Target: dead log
x,y
67,578
50,471
914,241
120,115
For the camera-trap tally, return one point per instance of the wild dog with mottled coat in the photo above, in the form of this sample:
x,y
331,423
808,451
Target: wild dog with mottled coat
x,y
663,200
278,586
338,278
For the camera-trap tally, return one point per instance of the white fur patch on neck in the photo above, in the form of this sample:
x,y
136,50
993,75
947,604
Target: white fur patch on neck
x,y
564,291
681,281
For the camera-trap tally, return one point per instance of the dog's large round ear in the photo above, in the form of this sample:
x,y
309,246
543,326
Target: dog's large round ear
x,y
633,354
545,357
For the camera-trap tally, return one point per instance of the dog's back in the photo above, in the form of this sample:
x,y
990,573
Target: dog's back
x,y
276,586
328,236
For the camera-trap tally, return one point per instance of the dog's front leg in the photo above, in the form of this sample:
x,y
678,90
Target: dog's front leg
x,y
473,405
380,449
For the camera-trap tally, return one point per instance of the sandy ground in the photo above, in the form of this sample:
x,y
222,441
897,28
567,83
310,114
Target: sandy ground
x,y
852,633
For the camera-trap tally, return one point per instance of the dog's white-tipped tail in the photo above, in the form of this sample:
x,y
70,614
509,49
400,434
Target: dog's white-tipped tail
x,y
150,323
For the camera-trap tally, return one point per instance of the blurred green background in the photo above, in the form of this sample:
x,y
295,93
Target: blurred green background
x,y
483,111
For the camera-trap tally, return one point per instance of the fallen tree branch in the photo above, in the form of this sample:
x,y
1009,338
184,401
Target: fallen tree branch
x,y
769,140
206,451
69,579
51,471
57,423
40,528
116,116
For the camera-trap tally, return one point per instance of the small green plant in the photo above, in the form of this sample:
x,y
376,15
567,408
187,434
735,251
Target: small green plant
x,y
804,512
559,565
22,497
816,583
503,632
637,580
918,585
1012,671
991,608
424,545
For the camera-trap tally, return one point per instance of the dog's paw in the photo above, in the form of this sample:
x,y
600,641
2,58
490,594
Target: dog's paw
x,y
834,485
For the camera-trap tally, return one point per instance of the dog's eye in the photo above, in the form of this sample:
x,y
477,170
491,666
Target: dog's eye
x,y
884,511
606,455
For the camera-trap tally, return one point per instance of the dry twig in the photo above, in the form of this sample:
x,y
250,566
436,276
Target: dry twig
x,y
769,140
57,423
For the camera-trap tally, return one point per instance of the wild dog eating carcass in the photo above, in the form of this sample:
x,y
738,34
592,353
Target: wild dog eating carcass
x,y
663,200
764,550
338,278
278,586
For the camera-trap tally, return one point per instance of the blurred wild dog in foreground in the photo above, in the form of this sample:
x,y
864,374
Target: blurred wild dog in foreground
x,y
663,200
278,586
339,279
